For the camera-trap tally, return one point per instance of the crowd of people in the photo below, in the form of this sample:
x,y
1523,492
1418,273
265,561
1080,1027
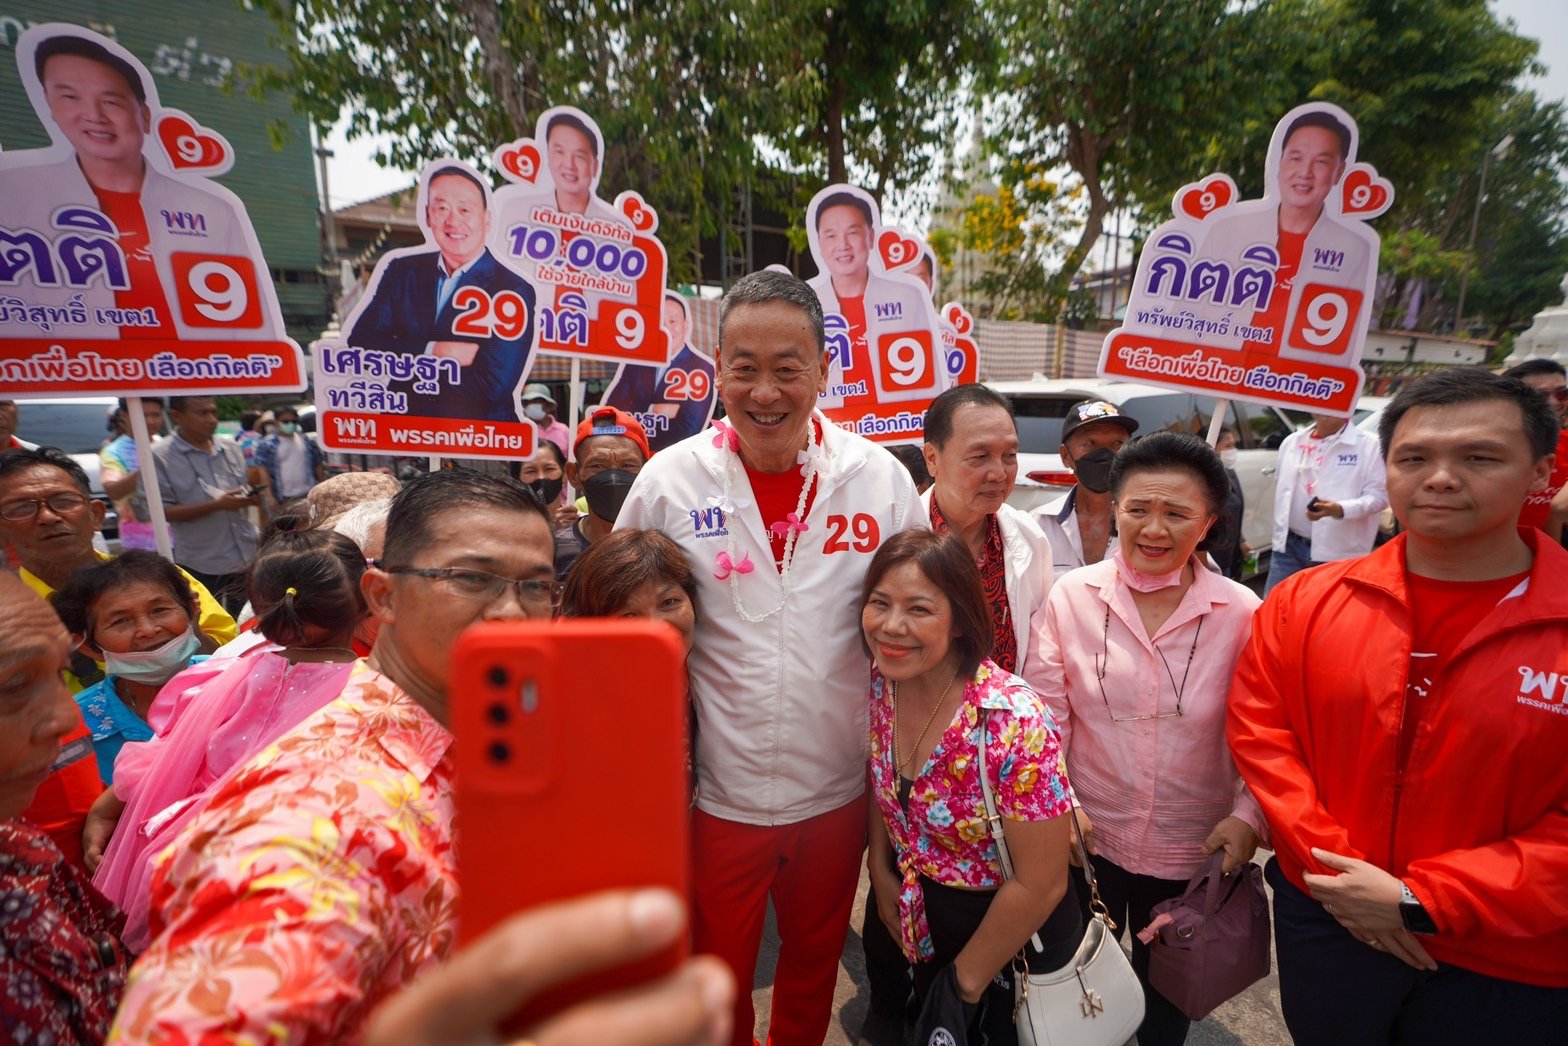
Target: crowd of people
x,y
227,784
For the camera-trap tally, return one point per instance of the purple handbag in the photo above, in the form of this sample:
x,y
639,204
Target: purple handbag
x,y
1212,942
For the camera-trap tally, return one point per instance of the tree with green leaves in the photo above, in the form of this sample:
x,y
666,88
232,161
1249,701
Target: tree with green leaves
x,y
682,91
891,78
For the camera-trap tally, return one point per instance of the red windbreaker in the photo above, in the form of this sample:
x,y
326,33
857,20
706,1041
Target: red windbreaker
x,y
1477,821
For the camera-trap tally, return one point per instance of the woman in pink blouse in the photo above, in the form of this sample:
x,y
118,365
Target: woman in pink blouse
x,y
938,883
1136,654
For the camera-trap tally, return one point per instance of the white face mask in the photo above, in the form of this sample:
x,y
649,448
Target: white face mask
x,y
534,411
1228,458
157,666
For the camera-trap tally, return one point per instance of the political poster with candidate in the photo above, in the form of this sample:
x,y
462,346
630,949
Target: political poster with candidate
x,y
125,268
431,359
885,359
672,400
1263,300
598,268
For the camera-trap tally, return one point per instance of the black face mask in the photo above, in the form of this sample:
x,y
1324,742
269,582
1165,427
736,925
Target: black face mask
x,y
606,492
1094,470
547,490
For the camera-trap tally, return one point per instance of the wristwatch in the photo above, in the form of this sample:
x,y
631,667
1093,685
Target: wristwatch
x,y
1412,914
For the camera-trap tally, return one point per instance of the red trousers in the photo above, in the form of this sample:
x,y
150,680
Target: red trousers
x,y
810,869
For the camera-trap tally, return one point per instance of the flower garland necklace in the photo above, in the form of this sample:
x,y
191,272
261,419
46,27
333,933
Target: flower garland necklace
x,y
730,567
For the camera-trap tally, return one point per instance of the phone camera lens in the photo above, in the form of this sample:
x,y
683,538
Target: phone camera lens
x,y
499,752
498,714
497,676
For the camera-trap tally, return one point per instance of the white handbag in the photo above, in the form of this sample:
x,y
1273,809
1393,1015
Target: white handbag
x,y
1095,998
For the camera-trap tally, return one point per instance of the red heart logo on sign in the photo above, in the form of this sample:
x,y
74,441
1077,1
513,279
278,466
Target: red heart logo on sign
x,y
190,146
520,162
636,208
958,318
1363,193
897,250
1202,199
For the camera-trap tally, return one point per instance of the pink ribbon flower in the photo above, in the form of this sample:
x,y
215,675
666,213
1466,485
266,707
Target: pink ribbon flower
x,y
725,437
789,523
728,566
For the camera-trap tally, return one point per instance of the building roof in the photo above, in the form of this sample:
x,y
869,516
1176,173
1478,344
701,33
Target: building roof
x,y
395,209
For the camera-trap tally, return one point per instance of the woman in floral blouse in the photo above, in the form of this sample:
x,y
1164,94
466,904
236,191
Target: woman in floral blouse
x,y
932,859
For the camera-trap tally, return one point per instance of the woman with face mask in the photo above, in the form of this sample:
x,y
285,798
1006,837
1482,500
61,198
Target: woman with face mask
x,y
1136,654
545,475
305,588
136,614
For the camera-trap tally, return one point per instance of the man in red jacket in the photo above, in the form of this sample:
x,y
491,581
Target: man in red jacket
x,y
1403,720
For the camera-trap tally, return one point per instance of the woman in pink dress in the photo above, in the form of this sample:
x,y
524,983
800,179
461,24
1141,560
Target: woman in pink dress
x,y
213,717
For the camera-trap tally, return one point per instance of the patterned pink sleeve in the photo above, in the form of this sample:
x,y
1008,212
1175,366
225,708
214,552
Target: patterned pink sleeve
x,y
1025,753
275,923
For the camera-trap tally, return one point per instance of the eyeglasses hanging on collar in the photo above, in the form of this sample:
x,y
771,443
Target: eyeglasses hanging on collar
x,y
1103,658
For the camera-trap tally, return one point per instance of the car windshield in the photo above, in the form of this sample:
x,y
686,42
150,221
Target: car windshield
x,y
76,428
1039,421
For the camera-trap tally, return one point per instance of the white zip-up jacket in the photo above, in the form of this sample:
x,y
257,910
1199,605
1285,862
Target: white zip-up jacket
x,y
781,704
1026,567
1353,475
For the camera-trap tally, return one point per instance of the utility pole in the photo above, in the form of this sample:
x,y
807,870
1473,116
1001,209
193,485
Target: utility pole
x,y
1496,152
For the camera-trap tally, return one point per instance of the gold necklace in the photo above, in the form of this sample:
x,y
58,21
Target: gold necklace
x,y
929,720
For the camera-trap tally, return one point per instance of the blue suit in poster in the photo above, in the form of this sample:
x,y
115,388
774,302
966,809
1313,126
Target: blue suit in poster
x,y
665,399
403,316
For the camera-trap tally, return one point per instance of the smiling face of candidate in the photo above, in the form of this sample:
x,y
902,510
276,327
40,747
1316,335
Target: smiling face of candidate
x,y
455,212
1309,167
771,371
672,317
844,238
573,162
96,110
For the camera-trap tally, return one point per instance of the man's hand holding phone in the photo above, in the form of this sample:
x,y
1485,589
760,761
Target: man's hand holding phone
x,y
1318,509
470,998
236,500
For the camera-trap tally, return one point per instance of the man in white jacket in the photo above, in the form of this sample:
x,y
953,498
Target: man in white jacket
x,y
1328,494
779,512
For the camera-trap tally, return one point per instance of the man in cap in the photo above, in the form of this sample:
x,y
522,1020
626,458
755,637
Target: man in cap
x,y
1078,524
611,448
539,408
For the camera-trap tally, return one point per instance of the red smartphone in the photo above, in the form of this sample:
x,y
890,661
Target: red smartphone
x,y
570,749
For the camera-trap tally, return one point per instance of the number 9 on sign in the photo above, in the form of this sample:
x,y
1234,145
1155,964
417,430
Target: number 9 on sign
x,y
905,365
216,290
630,328
1326,318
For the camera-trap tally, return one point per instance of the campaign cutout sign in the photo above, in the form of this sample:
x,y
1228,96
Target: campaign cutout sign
x,y
433,355
885,358
958,343
673,400
124,268
1264,300
597,267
